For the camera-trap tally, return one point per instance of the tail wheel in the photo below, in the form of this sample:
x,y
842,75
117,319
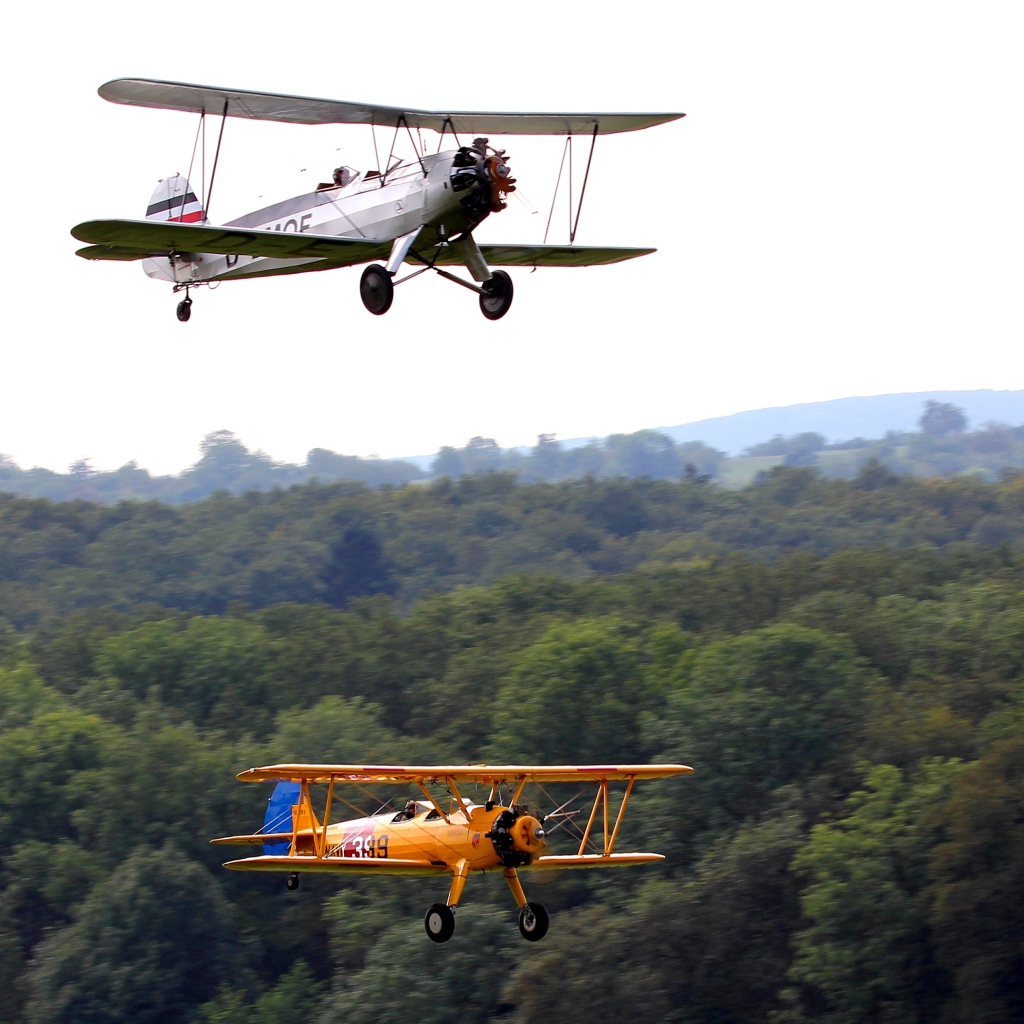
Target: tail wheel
x,y
184,310
291,883
439,922
496,299
376,289
533,922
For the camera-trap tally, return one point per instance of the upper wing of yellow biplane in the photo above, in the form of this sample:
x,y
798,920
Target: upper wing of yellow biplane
x,y
138,239
272,106
488,774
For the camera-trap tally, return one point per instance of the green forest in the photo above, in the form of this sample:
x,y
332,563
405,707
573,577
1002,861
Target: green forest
x,y
841,661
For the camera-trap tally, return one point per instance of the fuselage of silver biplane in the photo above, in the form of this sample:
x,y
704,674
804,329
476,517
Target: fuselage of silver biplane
x,y
416,194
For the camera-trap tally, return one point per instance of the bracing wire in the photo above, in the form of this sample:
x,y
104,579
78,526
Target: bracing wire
x,y
184,194
555,196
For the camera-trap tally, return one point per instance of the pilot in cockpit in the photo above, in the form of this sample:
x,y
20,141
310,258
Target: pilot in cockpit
x,y
341,177
410,812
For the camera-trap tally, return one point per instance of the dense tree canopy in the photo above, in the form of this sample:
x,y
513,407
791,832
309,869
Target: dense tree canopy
x,y
841,662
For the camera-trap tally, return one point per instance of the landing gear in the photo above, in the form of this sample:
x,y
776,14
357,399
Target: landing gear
x,y
291,883
533,918
496,295
184,310
439,922
376,289
533,922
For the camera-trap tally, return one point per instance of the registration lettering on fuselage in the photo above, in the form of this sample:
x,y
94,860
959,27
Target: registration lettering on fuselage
x,y
291,224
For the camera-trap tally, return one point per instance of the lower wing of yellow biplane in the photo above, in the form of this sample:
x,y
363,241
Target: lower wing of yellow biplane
x,y
129,240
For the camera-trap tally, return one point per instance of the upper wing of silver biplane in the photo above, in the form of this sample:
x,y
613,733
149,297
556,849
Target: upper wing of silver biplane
x,y
271,106
137,239
489,774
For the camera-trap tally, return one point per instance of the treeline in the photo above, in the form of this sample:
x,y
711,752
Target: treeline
x,y
225,464
647,453
334,543
942,447
849,849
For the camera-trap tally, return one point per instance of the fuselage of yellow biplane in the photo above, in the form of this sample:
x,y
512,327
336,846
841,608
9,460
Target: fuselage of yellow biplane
x,y
425,844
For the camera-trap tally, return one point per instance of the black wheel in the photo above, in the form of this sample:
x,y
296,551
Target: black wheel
x,y
376,289
184,310
439,922
292,882
497,297
533,922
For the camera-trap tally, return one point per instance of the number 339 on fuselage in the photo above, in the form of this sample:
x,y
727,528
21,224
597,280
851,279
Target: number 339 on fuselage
x,y
421,211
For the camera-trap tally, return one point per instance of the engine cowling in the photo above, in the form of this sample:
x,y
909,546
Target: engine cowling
x,y
484,175
517,836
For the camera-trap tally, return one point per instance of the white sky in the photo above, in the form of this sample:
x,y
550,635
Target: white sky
x,y
840,213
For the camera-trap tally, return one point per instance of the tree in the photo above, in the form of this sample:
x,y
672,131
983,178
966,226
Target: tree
x,y
866,953
940,419
148,945
712,948
978,888
459,981
223,458
573,696
645,453
357,567
761,711
293,1000
216,670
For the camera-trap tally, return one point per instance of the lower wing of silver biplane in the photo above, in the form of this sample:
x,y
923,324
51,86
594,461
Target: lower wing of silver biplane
x,y
142,239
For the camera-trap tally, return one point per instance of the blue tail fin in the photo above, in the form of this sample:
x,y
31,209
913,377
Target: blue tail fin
x,y
279,815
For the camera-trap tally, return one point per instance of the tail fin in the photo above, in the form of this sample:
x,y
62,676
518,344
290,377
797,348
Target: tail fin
x,y
173,199
280,809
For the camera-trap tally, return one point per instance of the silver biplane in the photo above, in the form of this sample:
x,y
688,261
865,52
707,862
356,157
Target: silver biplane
x,y
421,211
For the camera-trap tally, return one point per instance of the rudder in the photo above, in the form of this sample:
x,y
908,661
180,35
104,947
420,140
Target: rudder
x,y
279,816
174,200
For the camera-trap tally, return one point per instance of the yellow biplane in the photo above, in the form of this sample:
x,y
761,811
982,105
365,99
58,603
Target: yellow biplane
x,y
424,838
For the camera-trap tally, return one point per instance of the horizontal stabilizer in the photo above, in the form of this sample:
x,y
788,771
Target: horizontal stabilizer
x,y
272,106
483,773
594,860
548,255
139,239
268,837
340,865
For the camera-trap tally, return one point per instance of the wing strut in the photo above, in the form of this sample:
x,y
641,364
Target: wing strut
x,y
184,195
444,127
601,801
216,157
583,191
574,223
558,182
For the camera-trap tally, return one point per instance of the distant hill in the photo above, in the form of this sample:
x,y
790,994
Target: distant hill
x,y
842,418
